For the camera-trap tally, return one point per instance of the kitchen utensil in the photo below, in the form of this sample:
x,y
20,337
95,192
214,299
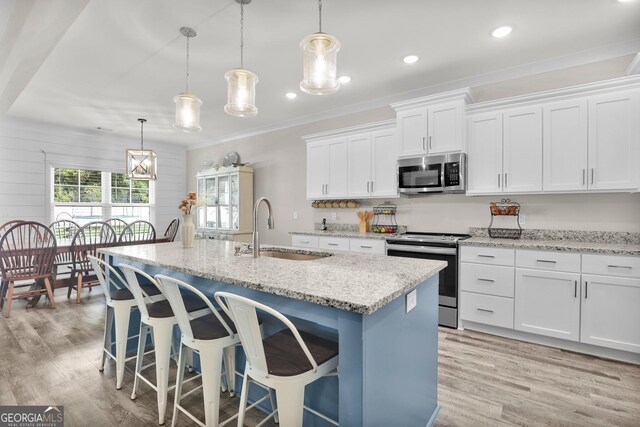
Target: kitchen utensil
x,y
232,158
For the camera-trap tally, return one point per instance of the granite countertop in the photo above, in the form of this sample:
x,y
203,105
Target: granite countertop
x,y
556,245
361,283
345,233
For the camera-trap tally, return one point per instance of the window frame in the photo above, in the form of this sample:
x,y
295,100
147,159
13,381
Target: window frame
x,y
106,203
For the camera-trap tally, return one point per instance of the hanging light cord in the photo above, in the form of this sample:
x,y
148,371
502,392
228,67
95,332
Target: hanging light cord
x,y
242,34
142,134
187,86
319,16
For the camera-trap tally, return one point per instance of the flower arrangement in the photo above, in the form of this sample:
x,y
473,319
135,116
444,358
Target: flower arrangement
x,y
186,204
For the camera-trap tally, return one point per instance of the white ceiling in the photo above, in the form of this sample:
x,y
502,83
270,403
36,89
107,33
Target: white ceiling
x,y
89,64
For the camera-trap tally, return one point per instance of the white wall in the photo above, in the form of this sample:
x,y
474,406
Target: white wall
x,y
23,171
279,160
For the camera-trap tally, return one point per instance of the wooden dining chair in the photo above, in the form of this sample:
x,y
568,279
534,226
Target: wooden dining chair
x,y
87,240
3,228
172,229
138,231
117,224
27,253
63,230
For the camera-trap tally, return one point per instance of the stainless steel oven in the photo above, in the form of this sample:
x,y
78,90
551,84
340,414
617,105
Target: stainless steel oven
x,y
439,247
433,174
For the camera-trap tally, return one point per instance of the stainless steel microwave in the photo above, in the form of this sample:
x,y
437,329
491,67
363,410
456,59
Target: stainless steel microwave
x,y
445,173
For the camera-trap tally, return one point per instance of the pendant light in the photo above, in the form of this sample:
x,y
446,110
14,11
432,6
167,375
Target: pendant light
x,y
142,164
241,83
187,105
320,53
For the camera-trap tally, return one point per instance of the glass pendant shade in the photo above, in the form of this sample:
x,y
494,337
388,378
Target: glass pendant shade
x,y
142,164
187,112
241,93
320,53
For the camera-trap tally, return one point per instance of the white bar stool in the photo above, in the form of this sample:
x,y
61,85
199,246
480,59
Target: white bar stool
x,y
214,337
159,319
120,302
286,361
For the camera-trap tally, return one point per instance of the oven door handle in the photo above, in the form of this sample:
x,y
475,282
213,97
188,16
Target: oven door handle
x,y
422,249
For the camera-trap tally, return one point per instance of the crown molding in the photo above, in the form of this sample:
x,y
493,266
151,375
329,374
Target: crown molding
x,y
634,67
622,83
368,127
452,95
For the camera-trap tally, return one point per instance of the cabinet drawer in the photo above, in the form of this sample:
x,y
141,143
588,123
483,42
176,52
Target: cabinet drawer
x,y
611,265
552,261
491,310
334,243
487,279
367,246
484,255
303,241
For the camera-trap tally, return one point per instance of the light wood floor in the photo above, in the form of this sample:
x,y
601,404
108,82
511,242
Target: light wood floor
x,y
51,357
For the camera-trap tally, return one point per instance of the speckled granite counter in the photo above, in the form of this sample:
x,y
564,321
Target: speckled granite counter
x,y
563,240
349,281
340,233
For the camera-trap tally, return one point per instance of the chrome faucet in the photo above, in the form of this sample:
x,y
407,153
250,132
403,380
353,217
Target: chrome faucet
x,y
256,238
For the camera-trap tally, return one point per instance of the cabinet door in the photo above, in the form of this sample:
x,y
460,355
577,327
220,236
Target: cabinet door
x,y
445,128
412,125
614,141
547,303
565,146
384,176
485,153
337,173
317,169
610,314
359,172
522,151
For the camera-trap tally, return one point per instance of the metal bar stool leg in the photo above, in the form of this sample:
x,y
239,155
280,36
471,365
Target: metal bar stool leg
x,y
106,344
230,368
162,337
179,380
211,366
142,340
122,314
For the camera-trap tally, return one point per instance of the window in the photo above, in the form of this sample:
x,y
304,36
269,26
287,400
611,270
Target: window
x,y
86,195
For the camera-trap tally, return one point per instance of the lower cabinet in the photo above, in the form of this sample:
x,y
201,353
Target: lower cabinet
x,y
488,309
547,303
611,312
347,244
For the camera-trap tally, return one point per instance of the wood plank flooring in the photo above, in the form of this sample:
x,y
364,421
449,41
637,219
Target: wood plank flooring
x,y
51,357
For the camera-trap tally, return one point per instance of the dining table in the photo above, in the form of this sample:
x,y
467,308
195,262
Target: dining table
x,y
60,278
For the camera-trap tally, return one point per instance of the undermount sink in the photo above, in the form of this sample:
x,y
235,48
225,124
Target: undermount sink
x,y
295,256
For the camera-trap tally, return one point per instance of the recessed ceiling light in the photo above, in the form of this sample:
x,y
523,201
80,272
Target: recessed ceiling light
x,y
291,95
502,31
344,79
411,59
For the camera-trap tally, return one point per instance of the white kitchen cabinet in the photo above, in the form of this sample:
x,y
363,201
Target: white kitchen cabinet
x,y
367,246
522,150
413,131
611,265
360,165
384,170
614,141
610,314
327,169
547,303
484,153
334,243
351,244
565,146
487,309
487,255
305,241
494,280
445,126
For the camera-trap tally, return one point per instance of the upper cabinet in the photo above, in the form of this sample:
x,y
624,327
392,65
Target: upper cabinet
x,y
614,141
359,162
327,169
432,125
580,143
505,151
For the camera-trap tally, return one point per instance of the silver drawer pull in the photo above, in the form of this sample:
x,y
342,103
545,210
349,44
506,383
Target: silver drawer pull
x,y
332,244
544,260
486,256
485,310
304,241
366,247
620,266
485,280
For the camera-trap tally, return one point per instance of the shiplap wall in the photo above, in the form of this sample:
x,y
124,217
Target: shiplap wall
x,y
24,167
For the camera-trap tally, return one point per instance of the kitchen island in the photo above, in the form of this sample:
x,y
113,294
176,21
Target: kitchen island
x,y
388,356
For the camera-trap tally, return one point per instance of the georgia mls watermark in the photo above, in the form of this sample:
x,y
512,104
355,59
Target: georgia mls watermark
x,y
31,416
